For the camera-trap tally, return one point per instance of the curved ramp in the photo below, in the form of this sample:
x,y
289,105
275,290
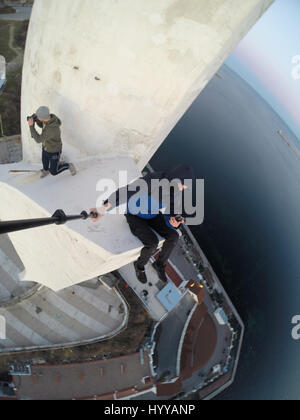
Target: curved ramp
x,y
76,315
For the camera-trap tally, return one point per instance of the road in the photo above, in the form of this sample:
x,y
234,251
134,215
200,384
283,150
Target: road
x,y
170,332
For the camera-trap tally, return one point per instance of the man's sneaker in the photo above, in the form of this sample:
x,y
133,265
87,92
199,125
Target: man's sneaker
x,y
72,169
43,173
141,275
160,271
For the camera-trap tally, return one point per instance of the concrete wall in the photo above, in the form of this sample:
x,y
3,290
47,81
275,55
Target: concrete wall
x,y
4,152
120,74
10,149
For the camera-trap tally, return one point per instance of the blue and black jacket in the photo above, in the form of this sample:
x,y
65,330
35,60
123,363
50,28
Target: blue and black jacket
x,y
148,204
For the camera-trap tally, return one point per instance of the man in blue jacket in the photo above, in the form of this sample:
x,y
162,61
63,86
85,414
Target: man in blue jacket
x,y
153,211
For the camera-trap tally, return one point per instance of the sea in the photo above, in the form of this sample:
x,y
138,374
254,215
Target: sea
x,y
251,228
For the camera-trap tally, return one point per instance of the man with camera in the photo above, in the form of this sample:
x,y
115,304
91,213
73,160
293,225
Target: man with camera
x,y
50,138
153,210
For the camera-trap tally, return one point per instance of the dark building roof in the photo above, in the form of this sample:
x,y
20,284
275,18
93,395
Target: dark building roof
x,y
227,308
208,277
126,393
209,389
197,289
199,342
88,380
173,275
168,389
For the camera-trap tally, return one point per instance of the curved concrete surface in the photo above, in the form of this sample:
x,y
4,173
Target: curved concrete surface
x,y
75,315
120,74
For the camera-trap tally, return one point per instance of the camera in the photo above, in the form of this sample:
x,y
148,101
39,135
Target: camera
x,y
34,117
179,218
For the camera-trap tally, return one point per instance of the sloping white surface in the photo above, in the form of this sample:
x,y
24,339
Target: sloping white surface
x,y
120,74
60,256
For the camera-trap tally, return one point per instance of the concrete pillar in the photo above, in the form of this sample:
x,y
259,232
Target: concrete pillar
x,y
120,74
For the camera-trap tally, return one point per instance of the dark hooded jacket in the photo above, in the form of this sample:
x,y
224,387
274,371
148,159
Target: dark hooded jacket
x,y
50,136
169,200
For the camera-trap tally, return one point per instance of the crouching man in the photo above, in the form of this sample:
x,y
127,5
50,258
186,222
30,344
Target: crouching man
x,y
50,138
151,212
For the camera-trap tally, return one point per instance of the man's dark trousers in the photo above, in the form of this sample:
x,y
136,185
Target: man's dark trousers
x,y
51,163
143,229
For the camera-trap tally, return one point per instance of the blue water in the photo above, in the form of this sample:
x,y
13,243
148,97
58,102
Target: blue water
x,y
251,232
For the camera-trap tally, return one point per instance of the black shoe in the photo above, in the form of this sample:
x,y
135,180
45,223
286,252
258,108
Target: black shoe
x,y
161,271
141,275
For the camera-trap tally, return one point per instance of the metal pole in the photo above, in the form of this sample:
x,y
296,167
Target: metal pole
x,y
58,218
1,126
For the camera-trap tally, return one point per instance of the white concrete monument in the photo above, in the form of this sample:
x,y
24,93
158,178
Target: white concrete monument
x,y
119,74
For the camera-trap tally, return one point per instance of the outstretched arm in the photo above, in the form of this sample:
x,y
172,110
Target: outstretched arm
x,y
122,195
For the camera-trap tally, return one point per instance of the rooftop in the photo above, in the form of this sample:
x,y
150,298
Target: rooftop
x,y
158,298
110,379
199,342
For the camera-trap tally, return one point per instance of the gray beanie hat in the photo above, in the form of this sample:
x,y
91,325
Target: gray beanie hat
x,y
43,113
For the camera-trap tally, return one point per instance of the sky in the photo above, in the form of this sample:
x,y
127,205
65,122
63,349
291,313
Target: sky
x,y
268,58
